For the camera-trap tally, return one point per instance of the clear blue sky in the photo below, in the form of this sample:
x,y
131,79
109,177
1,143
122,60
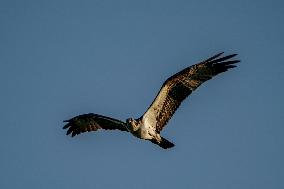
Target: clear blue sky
x,y
61,58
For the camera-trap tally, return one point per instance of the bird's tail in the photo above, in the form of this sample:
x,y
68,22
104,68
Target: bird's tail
x,y
164,143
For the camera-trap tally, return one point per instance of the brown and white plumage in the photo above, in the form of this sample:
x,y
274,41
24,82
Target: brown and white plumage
x,y
179,86
173,91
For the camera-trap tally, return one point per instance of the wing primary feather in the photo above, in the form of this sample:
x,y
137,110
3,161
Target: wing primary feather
x,y
69,131
74,134
223,58
230,62
213,57
66,126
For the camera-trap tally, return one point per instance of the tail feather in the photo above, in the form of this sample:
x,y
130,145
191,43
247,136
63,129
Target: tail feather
x,y
164,143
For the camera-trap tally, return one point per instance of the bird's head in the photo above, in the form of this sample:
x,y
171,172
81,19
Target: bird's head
x,y
132,124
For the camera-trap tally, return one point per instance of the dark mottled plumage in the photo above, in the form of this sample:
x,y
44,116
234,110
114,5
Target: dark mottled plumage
x,y
92,122
173,91
179,86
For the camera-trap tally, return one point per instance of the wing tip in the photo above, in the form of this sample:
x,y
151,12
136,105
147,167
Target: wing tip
x,y
214,57
225,60
73,134
66,126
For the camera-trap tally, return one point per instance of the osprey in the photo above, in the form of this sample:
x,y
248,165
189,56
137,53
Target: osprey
x,y
173,91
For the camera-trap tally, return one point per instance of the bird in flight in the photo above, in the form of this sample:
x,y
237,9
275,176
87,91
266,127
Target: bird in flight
x,y
173,91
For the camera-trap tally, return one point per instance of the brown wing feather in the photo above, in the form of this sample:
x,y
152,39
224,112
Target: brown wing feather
x,y
179,86
92,122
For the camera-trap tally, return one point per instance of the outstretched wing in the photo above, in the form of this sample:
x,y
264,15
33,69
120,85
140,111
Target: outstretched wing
x,y
176,88
92,122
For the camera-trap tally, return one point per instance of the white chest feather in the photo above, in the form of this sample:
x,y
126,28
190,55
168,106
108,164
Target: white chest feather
x,y
147,131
